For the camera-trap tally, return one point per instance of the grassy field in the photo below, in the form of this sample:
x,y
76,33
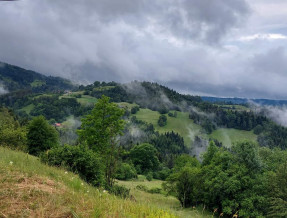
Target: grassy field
x,y
230,136
28,108
30,189
126,105
87,100
37,83
160,200
181,124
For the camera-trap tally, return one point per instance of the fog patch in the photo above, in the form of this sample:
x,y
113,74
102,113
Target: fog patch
x,y
2,88
199,146
68,134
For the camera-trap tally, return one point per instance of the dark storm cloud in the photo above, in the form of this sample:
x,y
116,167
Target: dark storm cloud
x,y
183,43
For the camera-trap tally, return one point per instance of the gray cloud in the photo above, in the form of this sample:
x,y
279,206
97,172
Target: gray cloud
x,y
187,44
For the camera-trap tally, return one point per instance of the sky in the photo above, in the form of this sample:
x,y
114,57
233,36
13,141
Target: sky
x,y
218,48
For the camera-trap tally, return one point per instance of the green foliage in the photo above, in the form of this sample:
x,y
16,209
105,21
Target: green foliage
x,y
278,192
99,131
162,120
12,135
232,182
78,159
100,128
41,136
120,191
169,146
126,172
144,158
149,176
135,109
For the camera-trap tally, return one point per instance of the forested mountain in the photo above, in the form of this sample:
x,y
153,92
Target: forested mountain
x,y
15,78
226,158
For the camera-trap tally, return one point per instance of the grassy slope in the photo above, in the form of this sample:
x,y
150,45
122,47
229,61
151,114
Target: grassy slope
x,y
160,200
229,136
181,124
187,129
28,108
30,189
87,100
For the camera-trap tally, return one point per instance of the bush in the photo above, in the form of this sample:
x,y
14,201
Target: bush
x,y
154,190
162,174
120,191
142,188
149,176
126,172
162,120
144,158
41,136
135,109
78,159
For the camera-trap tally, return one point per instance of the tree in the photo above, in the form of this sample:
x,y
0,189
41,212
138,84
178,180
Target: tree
x,y
162,120
12,134
41,136
144,157
99,131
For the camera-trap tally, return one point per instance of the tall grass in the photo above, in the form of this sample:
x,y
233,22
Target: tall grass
x,y
30,188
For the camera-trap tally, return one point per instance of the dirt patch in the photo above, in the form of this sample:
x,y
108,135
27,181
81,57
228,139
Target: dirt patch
x,y
31,196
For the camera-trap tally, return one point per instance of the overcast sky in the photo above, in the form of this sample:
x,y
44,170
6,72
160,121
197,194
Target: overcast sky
x,y
208,47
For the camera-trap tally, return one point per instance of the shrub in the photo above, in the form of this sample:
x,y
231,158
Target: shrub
x,y
78,159
135,109
154,190
162,120
119,190
142,188
41,136
126,172
144,158
149,176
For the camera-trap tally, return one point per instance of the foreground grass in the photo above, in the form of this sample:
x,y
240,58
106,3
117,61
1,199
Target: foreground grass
x,y
29,188
230,136
160,200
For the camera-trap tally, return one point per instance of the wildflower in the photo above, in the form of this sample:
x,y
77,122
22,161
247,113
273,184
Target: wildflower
x,y
11,163
88,191
104,191
66,172
82,183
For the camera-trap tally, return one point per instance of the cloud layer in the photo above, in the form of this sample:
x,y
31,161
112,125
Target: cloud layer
x,y
203,47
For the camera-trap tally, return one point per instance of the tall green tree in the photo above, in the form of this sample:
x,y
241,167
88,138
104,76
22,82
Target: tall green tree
x,y
41,136
100,130
144,157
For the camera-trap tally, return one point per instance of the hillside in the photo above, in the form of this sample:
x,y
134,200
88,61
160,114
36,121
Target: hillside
x,y
29,188
14,78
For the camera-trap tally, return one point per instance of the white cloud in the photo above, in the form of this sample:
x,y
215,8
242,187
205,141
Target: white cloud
x,y
264,36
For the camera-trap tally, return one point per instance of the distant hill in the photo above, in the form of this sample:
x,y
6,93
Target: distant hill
x,y
244,101
14,78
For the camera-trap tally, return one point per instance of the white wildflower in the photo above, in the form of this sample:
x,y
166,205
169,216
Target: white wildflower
x,y
66,172
11,163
